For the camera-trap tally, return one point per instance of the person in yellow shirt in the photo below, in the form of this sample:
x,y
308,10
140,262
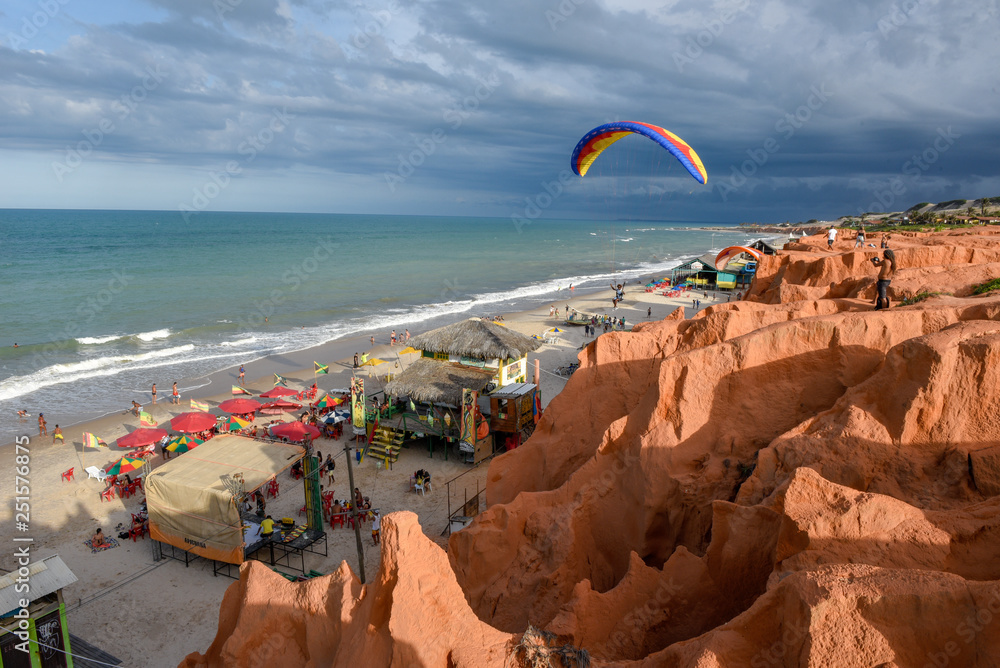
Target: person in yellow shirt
x,y
266,527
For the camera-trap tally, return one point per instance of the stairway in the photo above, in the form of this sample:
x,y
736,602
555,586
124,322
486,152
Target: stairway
x,y
386,444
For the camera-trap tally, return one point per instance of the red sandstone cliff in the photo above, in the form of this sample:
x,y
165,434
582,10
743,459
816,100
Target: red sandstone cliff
x,y
794,480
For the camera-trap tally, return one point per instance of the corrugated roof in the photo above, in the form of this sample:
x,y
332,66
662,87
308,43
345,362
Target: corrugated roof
x,y
44,577
513,391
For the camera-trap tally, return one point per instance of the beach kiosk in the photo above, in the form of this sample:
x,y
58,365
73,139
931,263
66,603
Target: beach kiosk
x,y
38,635
474,355
193,502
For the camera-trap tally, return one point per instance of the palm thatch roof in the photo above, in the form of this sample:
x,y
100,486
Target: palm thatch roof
x,y
434,382
477,338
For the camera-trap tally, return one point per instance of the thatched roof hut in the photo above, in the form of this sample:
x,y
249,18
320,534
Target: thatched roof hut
x,y
434,382
477,338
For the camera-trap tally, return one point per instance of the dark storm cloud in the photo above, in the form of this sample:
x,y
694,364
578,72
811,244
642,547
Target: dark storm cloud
x,y
798,109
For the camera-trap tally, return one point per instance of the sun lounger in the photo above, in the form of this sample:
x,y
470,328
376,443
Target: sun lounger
x,y
94,472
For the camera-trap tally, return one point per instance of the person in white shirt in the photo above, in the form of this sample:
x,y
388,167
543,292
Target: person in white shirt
x,y
831,236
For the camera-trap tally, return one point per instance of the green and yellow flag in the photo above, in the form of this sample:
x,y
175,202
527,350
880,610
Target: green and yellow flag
x,y
146,420
91,441
201,405
320,368
279,380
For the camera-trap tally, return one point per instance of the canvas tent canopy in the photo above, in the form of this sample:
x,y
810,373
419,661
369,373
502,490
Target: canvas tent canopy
x,y
190,505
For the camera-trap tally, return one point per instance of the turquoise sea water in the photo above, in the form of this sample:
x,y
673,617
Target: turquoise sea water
x,y
102,303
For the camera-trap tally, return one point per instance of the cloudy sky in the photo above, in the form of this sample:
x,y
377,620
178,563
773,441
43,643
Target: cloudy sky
x,y
799,108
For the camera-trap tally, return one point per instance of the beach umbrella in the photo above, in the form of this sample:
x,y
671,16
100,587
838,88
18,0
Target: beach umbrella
x,y
373,362
553,330
125,465
234,423
326,401
295,431
279,406
181,444
240,390
277,392
190,422
240,406
141,437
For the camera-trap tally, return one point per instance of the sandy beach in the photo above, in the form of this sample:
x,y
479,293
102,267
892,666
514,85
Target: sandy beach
x,y
175,608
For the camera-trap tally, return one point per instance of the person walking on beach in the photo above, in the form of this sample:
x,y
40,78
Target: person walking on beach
x,y
649,312
887,269
176,396
407,336
153,393
831,236
42,431
243,375
392,338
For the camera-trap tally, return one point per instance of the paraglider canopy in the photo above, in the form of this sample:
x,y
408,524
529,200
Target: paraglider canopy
x,y
727,255
603,136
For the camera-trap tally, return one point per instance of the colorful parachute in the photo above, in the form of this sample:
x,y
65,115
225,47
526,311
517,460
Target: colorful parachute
x,y
603,136
727,255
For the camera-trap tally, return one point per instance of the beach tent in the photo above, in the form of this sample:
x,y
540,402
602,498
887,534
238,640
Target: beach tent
x,y
189,504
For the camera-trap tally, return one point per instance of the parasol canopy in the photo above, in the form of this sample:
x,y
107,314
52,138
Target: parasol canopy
x,y
234,423
141,437
373,362
278,391
279,406
295,431
125,465
326,401
193,421
181,444
240,405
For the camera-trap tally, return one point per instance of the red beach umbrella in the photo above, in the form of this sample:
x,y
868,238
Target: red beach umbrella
x,y
191,422
240,406
295,431
141,437
278,391
279,406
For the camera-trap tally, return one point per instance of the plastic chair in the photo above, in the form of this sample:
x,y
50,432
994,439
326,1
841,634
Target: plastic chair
x,y
137,483
272,488
418,487
137,531
94,472
68,475
302,510
108,494
124,490
335,519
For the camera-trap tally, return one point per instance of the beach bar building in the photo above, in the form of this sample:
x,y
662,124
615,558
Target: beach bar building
x,y
194,500
473,354
38,636
700,272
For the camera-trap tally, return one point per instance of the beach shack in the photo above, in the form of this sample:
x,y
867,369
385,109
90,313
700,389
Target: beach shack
x,y
193,500
700,272
471,355
36,635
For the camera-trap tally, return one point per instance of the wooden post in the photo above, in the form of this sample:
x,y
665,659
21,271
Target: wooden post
x,y
354,510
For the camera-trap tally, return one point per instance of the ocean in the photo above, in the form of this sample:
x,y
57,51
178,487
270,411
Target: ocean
x,y
104,303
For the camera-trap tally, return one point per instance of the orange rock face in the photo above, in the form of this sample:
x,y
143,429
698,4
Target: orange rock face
x,y
792,480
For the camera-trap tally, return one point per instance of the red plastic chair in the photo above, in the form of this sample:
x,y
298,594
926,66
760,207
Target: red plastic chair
x,y
336,519
302,510
68,475
108,494
136,519
137,484
124,490
272,488
137,531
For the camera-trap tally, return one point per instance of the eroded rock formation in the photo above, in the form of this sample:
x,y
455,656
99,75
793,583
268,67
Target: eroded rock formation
x,y
792,480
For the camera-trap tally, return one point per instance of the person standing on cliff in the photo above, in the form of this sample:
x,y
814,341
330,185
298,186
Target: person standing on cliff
x,y
831,236
887,269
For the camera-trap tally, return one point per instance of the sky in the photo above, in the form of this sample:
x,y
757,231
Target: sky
x,y
799,108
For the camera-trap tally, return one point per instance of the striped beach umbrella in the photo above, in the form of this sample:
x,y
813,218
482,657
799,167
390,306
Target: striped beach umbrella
x,y
125,465
181,444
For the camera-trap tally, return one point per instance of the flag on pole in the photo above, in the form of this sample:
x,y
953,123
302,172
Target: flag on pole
x,y
146,420
201,405
91,441
279,380
239,390
321,368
